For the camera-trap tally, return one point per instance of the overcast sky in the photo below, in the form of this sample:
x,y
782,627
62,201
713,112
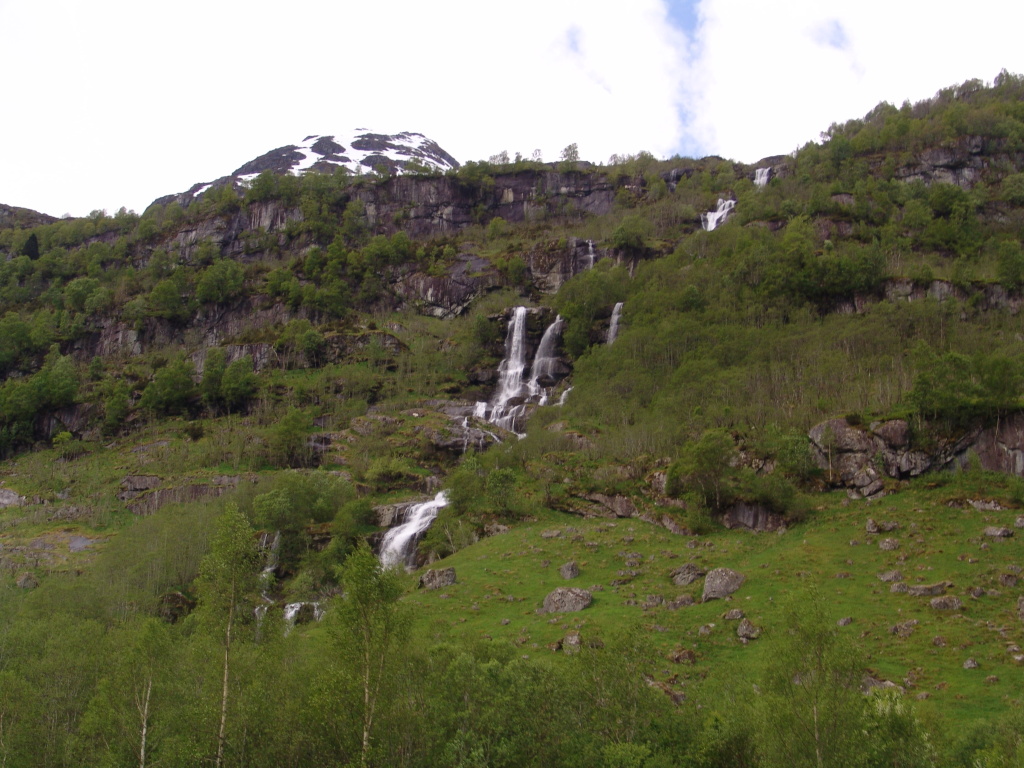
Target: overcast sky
x,y
114,103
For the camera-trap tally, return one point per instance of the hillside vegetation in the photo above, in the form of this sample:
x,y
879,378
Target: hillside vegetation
x,y
186,387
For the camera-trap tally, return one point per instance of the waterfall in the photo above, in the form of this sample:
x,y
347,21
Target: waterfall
x,y
510,375
762,176
565,394
712,219
545,360
399,544
515,392
613,328
590,254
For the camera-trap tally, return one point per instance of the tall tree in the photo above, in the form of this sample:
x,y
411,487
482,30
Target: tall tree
x,y
371,626
228,574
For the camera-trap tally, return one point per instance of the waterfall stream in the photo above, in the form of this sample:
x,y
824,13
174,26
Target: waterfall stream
x,y
613,328
515,392
762,176
712,219
399,544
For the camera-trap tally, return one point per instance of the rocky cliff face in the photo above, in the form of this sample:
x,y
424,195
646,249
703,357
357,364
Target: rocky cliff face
x,y
12,216
860,459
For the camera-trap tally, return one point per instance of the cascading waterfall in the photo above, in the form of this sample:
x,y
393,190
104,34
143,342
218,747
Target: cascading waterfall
x,y
545,361
399,544
613,328
590,254
510,376
762,176
515,392
712,219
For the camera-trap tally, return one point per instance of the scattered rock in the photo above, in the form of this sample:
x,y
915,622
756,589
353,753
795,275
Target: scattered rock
x,y
567,599
495,529
923,695
721,582
970,664
998,532
991,680
653,601
682,656
939,641
845,621
899,587
884,527
842,575
733,615
435,579
552,534
747,631
928,590
1007,580
976,592
572,642
889,545
9,498
890,576
1020,607
903,629
1019,522
683,601
870,683
506,622
570,570
26,581
705,630
946,603
686,574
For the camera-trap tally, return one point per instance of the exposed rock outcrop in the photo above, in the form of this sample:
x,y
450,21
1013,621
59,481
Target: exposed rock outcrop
x,y
567,599
437,578
721,582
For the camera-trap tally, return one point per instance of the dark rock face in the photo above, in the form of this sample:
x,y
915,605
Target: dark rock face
x,y
436,579
567,599
753,517
721,582
859,458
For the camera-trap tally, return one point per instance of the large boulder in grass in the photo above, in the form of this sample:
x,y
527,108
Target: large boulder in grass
x,y
721,582
570,570
566,600
437,578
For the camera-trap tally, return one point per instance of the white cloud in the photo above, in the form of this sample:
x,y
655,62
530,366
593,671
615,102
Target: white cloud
x,y
771,76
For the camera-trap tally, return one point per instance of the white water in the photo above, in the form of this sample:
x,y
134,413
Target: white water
x,y
291,612
590,254
511,374
565,394
762,175
545,360
712,219
613,328
399,543
515,392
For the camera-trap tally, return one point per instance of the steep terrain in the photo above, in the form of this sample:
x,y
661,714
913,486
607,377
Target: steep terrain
x,y
746,419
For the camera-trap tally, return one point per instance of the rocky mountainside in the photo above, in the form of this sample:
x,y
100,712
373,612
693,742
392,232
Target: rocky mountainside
x,y
359,152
